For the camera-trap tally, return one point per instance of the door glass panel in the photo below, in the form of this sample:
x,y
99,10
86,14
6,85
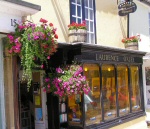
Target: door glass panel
x,y
135,89
123,92
92,100
108,91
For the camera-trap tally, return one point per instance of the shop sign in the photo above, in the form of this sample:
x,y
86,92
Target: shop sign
x,y
126,8
109,57
7,22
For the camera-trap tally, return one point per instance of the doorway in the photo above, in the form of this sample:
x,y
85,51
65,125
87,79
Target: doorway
x,y
32,101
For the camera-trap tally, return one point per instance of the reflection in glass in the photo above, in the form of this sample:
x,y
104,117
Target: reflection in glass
x,y
92,100
135,89
123,92
109,91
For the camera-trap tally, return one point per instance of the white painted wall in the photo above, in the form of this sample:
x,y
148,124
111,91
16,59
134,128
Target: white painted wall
x,y
139,24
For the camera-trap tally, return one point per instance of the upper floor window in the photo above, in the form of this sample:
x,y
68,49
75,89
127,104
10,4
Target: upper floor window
x,y
84,10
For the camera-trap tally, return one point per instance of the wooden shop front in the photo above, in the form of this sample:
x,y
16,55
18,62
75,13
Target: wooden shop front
x,y
115,79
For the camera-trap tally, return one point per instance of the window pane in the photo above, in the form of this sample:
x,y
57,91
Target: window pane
x,y
135,89
73,1
91,27
79,11
86,3
74,109
92,100
87,38
73,9
91,14
87,23
91,3
123,92
79,20
73,19
92,38
86,13
79,2
108,91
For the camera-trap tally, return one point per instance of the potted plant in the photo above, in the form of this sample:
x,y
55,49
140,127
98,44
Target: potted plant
x,y
67,81
131,42
34,43
77,32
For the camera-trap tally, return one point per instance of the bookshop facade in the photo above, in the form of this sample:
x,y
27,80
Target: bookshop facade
x,y
115,79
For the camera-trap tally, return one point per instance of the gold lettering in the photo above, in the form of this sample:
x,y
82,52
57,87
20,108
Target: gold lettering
x,y
128,59
107,57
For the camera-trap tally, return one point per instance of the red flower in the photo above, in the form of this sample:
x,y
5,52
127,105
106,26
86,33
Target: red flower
x,y
43,20
50,24
56,36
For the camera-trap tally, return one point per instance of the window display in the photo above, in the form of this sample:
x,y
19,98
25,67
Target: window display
x,y
92,100
115,99
108,91
74,110
123,91
135,89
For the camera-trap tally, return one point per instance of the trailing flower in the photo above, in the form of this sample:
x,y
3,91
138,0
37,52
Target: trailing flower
x,y
68,81
76,26
33,43
133,39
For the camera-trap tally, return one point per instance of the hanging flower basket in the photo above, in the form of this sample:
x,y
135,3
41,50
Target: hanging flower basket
x,y
34,43
67,81
77,32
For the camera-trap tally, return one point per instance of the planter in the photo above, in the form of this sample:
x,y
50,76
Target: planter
x,y
131,46
77,35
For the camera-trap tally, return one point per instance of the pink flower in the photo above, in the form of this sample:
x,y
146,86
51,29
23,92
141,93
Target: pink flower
x,y
44,90
59,70
48,86
47,79
10,51
42,66
16,49
18,44
48,57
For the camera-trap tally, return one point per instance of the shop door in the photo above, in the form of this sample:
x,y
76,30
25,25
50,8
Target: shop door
x,y
33,112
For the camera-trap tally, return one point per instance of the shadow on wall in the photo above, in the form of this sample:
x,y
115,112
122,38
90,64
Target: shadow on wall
x,y
61,18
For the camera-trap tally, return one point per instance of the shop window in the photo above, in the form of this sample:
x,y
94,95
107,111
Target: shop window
x,y
75,110
123,90
92,100
108,91
135,89
84,10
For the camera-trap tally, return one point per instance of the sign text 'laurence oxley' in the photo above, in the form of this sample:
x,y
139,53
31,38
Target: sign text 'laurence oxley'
x,y
105,57
126,8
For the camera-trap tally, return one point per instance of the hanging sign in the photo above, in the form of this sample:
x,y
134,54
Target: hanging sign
x,y
126,8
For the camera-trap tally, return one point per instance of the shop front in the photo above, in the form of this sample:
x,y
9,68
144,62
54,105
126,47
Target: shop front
x,y
116,88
